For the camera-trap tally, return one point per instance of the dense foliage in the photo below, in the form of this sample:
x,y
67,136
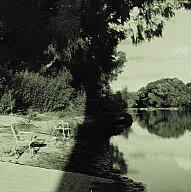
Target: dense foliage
x,y
31,90
160,94
129,97
164,93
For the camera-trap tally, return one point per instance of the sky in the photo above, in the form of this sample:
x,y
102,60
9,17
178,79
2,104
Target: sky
x,y
166,57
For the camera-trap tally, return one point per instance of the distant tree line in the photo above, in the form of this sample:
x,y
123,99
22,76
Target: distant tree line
x,y
163,93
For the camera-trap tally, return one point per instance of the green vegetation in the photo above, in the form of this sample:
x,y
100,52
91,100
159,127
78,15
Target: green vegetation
x,y
31,90
129,97
163,93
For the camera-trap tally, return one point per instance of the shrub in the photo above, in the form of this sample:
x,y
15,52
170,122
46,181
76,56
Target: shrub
x,y
7,103
77,105
42,93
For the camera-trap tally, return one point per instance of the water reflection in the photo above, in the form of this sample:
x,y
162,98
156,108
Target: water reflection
x,y
165,123
118,160
163,163
93,153
119,163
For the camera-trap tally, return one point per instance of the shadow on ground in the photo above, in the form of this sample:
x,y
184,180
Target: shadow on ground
x,y
92,153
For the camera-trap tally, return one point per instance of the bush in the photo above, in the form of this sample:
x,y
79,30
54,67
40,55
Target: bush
x,y
32,115
5,79
32,90
77,105
7,103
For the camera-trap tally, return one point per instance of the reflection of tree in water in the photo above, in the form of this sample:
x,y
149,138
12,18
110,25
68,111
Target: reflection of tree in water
x,y
126,132
165,123
118,160
92,153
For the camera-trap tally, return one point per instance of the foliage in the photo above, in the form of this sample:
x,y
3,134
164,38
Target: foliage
x,y
164,93
42,93
5,79
107,103
7,103
129,97
77,105
81,35
188,85
32,115
161,93
187,100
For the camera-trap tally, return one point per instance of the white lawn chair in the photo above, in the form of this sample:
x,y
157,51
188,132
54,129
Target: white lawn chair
x,y
22,138
61,127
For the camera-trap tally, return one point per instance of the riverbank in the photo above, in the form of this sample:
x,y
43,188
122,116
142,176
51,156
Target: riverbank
x,y
154,109
56,154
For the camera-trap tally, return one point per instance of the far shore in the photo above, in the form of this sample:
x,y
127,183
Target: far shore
x,y
156,108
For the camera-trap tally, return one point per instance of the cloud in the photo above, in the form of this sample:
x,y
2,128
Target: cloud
x,y
181,51
184,163
150,75
135,58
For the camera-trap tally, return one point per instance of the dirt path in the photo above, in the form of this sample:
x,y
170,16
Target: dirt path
x,y
19,178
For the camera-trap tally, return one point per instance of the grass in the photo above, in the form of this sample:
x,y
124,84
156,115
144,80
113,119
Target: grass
x,y
53,156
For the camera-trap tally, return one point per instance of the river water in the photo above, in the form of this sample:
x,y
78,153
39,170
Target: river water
x,y
156,150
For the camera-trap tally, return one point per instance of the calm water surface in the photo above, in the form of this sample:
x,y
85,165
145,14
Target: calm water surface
x,y
156,150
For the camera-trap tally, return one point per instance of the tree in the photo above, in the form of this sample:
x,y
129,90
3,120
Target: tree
x,y
188,86
129,97
163,93
82,35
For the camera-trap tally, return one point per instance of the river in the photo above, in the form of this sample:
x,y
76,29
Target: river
x,y
156,150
